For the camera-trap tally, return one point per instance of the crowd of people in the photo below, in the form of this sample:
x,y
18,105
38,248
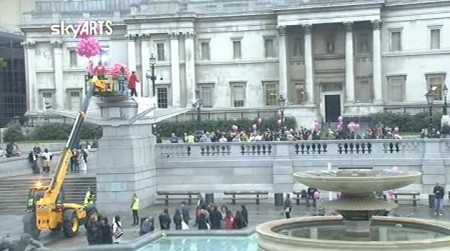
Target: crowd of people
x,y
288,135
41,161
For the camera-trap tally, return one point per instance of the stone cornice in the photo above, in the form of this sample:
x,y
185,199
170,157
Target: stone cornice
x,y
320,7
29,44
57,43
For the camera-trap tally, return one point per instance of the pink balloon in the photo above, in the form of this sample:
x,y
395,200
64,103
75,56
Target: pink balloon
x,y
340,118
350,126
339,126
356,126
234,127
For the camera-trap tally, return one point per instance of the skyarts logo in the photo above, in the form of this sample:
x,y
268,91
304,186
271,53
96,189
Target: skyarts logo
x,y
84,28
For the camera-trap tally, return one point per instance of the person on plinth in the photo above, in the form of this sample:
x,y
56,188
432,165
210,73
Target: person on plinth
x,y
100,71
135,209
132,84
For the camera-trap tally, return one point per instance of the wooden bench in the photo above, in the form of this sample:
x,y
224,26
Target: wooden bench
x,y
300,197
260,195
166,195
414,198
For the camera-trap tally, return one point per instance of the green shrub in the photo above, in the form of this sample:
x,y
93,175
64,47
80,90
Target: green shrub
x,y
165,129
13,134
407,122
60,131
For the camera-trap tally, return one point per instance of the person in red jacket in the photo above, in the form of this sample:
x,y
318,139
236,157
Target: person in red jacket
x,y
228,220
100,70
132,84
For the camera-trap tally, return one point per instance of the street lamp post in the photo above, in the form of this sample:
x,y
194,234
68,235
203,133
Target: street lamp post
x,y
282,104
151,74
430,95
197,104
445,91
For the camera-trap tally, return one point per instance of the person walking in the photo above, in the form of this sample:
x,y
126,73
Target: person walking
x,y
107,232
89,197
438,191
287,206
47,161
185,213
135,209
117,230
132,84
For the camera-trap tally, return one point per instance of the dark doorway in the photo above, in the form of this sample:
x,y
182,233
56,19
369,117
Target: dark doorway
x,y
332,107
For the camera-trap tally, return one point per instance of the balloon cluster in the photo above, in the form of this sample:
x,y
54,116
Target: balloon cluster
x,y
316,126
88,47
340,122
115,69
353,127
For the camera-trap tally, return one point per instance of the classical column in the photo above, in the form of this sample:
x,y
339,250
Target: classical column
x,y
309,67
190,67
377,83
59,85
145,60
175,68
132,51
30,65
282,61
349,65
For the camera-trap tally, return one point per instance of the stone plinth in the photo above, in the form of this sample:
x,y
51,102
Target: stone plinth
x,y
126,165
118,108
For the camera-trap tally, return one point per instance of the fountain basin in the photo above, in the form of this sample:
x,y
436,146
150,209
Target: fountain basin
x,y
273,237
375,180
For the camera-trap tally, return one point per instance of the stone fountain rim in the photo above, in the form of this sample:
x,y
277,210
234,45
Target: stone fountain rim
x,y
265,232
404,175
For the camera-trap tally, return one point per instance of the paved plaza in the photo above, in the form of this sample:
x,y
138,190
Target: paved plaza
x,y
12,224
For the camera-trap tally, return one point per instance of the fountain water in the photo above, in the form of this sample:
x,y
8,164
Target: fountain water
x,y
356,228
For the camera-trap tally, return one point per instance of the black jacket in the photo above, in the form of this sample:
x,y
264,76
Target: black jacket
x,y
164,221
439,192
216,219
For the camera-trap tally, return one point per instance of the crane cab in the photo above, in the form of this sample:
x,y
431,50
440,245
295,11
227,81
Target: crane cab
x,y
107,85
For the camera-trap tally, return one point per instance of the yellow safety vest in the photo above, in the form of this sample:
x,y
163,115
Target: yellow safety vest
x,y
135,203
87,198
30,202
191,139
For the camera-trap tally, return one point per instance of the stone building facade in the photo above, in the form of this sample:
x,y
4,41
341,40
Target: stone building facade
x,y
326,57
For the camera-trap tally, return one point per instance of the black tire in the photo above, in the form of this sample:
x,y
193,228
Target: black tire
x,y
70,223
29,225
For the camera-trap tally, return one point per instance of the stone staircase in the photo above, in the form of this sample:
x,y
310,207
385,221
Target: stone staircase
x,y
14,191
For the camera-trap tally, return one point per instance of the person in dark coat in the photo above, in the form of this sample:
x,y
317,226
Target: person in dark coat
x,y
107,232
244,214
99,232
164,219
202,222
215,218
147,226
177,219
185,213
91,230
238,220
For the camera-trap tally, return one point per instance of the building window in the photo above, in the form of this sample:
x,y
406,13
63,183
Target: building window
x,y
205,51
269,47
396,40
299,94
363,90
206,94
238,94
48,101
435,82
75,100
160,51
396,88
435,39
363,43
297,47
237,49
73,58
163,97
270,93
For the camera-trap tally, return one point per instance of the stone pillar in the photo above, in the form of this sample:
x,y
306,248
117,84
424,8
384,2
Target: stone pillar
x,y
349,65
190,67
433,165
283,62
30,65
377,83
132,52
145,60
283,181
175,69
58,74
126,160
309,65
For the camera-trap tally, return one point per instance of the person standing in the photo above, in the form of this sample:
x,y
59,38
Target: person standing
x,y
89,197
438,191
185,213
215,218
135,208
132,84
100,71
107,232
287,206
47,161
177,219
164,219
117,230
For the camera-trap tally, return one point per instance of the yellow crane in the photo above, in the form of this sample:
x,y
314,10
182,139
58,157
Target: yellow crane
x,y
48,209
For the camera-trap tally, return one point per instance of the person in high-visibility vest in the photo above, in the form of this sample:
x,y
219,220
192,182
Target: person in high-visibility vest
x,y
89,197
135,208
30,204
